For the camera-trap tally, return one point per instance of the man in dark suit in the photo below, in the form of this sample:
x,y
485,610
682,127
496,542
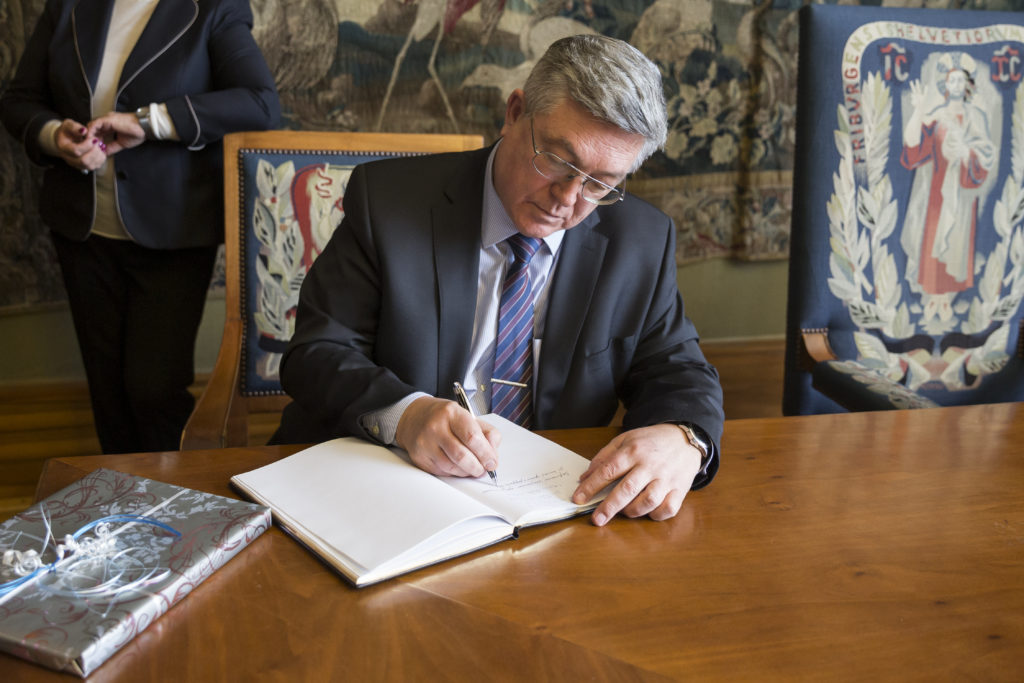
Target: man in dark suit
x,y
404,300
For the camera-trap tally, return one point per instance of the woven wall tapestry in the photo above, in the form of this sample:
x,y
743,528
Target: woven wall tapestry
x,y
442,66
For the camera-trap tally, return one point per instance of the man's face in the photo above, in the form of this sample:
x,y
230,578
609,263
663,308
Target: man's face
x,y
539,206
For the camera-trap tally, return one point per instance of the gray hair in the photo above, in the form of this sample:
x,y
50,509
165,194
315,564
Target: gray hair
x,y
610,78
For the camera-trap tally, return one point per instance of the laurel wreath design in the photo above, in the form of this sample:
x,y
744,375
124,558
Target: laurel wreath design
x,y
899,396
279,266
278,261
862,218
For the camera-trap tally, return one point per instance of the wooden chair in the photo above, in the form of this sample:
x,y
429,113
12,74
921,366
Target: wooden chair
x,y
907,255
282,202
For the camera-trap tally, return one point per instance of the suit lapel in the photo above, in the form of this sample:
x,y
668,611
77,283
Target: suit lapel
x,y
579,264
90,19
169,21
456,229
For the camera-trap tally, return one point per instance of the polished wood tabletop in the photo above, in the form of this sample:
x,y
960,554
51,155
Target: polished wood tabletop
x,y
869,546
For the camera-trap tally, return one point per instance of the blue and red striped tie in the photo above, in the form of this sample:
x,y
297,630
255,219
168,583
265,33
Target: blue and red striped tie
x,y
512,384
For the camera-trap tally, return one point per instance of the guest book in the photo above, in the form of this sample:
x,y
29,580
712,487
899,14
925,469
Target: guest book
x,y
89,568
371,514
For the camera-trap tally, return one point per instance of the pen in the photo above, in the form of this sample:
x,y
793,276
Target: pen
x,y
460,395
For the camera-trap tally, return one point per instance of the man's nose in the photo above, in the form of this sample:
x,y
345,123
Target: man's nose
x,y
567,190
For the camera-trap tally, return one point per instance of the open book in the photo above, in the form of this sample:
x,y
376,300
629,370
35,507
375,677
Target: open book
x,y
371,514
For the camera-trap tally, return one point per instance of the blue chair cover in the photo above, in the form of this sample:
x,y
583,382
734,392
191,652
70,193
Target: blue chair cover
x,y
907,240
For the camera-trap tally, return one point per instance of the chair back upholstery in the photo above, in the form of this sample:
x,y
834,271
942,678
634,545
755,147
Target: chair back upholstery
x,y
907,252
282,202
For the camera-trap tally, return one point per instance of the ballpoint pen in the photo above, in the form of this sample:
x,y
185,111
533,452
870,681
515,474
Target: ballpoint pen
x,y
460,395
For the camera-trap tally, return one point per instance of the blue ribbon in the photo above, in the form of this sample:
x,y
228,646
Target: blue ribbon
x,y
14,584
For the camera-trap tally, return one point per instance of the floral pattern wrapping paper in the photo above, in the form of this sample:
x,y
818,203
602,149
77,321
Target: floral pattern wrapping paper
x,y
89,568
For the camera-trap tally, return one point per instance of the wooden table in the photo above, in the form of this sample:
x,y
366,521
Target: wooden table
x,y
858,546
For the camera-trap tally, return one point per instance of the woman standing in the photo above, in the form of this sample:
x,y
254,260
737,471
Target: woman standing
x,y
125,102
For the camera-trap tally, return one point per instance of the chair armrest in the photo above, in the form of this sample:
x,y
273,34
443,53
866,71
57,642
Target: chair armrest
x,y
814,348
219,418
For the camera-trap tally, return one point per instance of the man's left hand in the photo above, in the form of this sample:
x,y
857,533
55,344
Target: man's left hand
x,y
656,465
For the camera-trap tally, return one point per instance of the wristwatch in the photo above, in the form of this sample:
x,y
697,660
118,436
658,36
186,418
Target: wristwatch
x,y
142,114
697,442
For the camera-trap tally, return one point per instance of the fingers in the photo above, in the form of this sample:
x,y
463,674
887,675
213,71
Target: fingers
x,y
471,449
77,148
635,495
654,468
493,437
444,439
658,500
86,147
90,158
118,131
603,470
72,131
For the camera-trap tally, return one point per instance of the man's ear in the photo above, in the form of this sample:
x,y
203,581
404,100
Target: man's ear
x,y
515,108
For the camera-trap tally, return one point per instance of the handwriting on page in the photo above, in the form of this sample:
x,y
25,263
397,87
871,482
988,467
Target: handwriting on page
x,y
558,482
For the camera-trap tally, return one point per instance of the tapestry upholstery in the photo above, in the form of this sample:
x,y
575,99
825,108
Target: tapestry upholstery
x,y
300,189
908,228
445,66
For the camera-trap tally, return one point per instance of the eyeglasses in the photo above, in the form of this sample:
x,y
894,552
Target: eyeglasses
x,y
554,167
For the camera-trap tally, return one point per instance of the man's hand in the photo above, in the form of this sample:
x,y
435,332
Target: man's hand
x,y
77,148
657,466
117,131
444,439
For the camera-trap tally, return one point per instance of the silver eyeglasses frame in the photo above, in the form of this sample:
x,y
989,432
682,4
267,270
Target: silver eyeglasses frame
x,y
611,194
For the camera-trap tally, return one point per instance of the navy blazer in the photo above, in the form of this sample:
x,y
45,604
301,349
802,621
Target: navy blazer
x,y
388,308
199,58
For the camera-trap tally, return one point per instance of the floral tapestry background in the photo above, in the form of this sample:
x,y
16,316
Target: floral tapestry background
x,y
437,66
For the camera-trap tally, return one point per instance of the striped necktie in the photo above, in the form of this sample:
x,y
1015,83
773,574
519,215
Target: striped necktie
x,y
512,383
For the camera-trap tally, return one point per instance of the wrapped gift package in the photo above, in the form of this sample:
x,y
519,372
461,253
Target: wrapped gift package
x,y
89,568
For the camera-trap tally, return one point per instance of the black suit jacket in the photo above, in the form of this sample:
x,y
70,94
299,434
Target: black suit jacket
x,y
388,307
199,58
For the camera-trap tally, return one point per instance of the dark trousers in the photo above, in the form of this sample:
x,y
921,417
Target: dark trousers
x,y
136,313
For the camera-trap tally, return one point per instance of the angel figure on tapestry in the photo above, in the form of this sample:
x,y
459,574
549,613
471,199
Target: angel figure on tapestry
x,y
951,143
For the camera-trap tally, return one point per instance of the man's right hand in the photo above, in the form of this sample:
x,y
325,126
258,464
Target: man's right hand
x,y
444,439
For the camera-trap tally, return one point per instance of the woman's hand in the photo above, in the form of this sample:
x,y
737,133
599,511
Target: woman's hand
x,y
77,147
117,131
